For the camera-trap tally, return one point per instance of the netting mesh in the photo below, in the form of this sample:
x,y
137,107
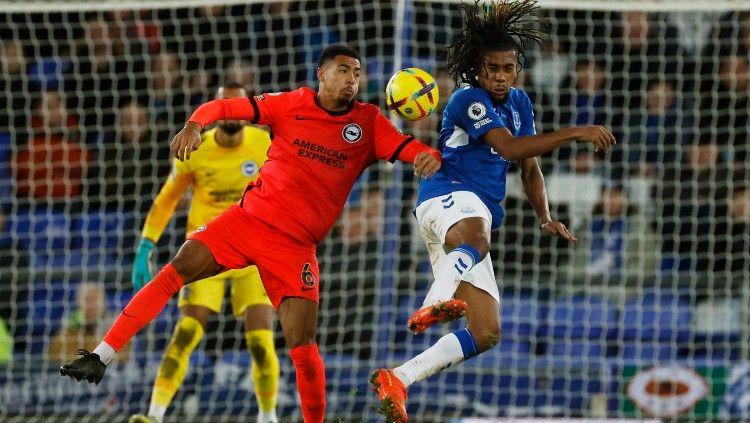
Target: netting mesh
x,y
658,280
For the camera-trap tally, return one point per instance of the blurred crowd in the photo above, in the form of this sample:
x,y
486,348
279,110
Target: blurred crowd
x,y
91,99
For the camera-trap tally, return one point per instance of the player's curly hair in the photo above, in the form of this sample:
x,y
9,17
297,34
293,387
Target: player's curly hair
x,y
499,25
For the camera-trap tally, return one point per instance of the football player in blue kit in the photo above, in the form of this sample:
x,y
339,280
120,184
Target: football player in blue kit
x,y
487,125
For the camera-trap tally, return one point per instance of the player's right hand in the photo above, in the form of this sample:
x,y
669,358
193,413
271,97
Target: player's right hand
x,y
186,141
425,165
601,137
142,264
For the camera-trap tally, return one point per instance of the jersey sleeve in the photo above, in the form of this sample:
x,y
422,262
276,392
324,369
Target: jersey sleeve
x,y
389,141
166,201
528,126
472,109
266,107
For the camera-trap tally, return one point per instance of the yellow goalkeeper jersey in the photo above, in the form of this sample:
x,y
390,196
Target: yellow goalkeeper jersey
x,y
218,176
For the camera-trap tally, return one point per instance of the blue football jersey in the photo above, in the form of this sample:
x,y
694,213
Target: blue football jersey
x,y
469,164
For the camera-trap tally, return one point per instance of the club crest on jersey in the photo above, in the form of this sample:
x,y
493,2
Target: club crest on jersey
x,y
249,168
352,133
477,110
516,120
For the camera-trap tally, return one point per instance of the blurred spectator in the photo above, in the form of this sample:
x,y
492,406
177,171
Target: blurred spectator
x,y
722,41
584,104
550,68
184,32
692,198
445,88
14,81
138,25
168,99
583,101
106,64
354,249
654,138
131,163
645,47
732,249
242,72
724,109
426,130
52,164
272,27
84,326
609,231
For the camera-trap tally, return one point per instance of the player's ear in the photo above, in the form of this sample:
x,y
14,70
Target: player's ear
x,y
320,72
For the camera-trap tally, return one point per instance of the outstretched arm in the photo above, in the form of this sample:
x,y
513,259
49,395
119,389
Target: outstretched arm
x,y
426,159
189,138
533,187
524,147
392,145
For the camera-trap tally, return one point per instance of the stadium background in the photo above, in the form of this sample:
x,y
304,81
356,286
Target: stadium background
x,y
647,315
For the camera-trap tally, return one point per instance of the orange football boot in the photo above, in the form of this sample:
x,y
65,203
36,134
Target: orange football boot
x,y
442,312
392,395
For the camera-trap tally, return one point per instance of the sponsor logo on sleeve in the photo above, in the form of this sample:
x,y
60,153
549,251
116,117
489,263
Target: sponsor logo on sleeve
x,y
352,133
481,123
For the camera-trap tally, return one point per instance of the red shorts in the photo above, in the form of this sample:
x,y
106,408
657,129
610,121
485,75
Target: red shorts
x,y
287,266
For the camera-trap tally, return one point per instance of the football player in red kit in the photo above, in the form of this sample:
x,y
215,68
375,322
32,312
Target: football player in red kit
x,y
322,143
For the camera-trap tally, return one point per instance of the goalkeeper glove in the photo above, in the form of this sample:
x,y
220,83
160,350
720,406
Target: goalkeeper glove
x,y
142,265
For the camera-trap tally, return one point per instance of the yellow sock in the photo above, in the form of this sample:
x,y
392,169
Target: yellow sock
x,y
187,334
265,367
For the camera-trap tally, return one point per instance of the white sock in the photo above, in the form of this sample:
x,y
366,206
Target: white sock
x,y
451,269
446,352
105,352
267,417
156,412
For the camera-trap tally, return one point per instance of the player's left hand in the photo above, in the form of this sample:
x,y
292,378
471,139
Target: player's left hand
x,y
186,141
554,228
425,165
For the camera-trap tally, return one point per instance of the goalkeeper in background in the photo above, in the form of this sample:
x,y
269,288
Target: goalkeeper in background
x,y
230,157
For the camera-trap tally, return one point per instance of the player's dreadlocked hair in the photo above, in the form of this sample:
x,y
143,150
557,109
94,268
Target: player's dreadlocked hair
x,y
499,25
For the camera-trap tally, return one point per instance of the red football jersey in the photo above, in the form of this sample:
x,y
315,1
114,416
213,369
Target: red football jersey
x,y
314,160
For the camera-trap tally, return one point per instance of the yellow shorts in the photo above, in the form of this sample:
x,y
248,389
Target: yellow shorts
x,y
247,290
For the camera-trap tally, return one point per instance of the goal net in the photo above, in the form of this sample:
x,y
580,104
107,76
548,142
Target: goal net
x,y
646,316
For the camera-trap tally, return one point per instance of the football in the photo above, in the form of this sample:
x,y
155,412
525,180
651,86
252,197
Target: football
x,y
411,94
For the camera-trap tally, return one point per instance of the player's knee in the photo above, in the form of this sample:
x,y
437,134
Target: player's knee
x,y
489,340
185,268
483,246
487,337
194,261
298,340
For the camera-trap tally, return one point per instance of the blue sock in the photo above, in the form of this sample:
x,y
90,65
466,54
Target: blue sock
x,y
468,345
452,269
472,252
